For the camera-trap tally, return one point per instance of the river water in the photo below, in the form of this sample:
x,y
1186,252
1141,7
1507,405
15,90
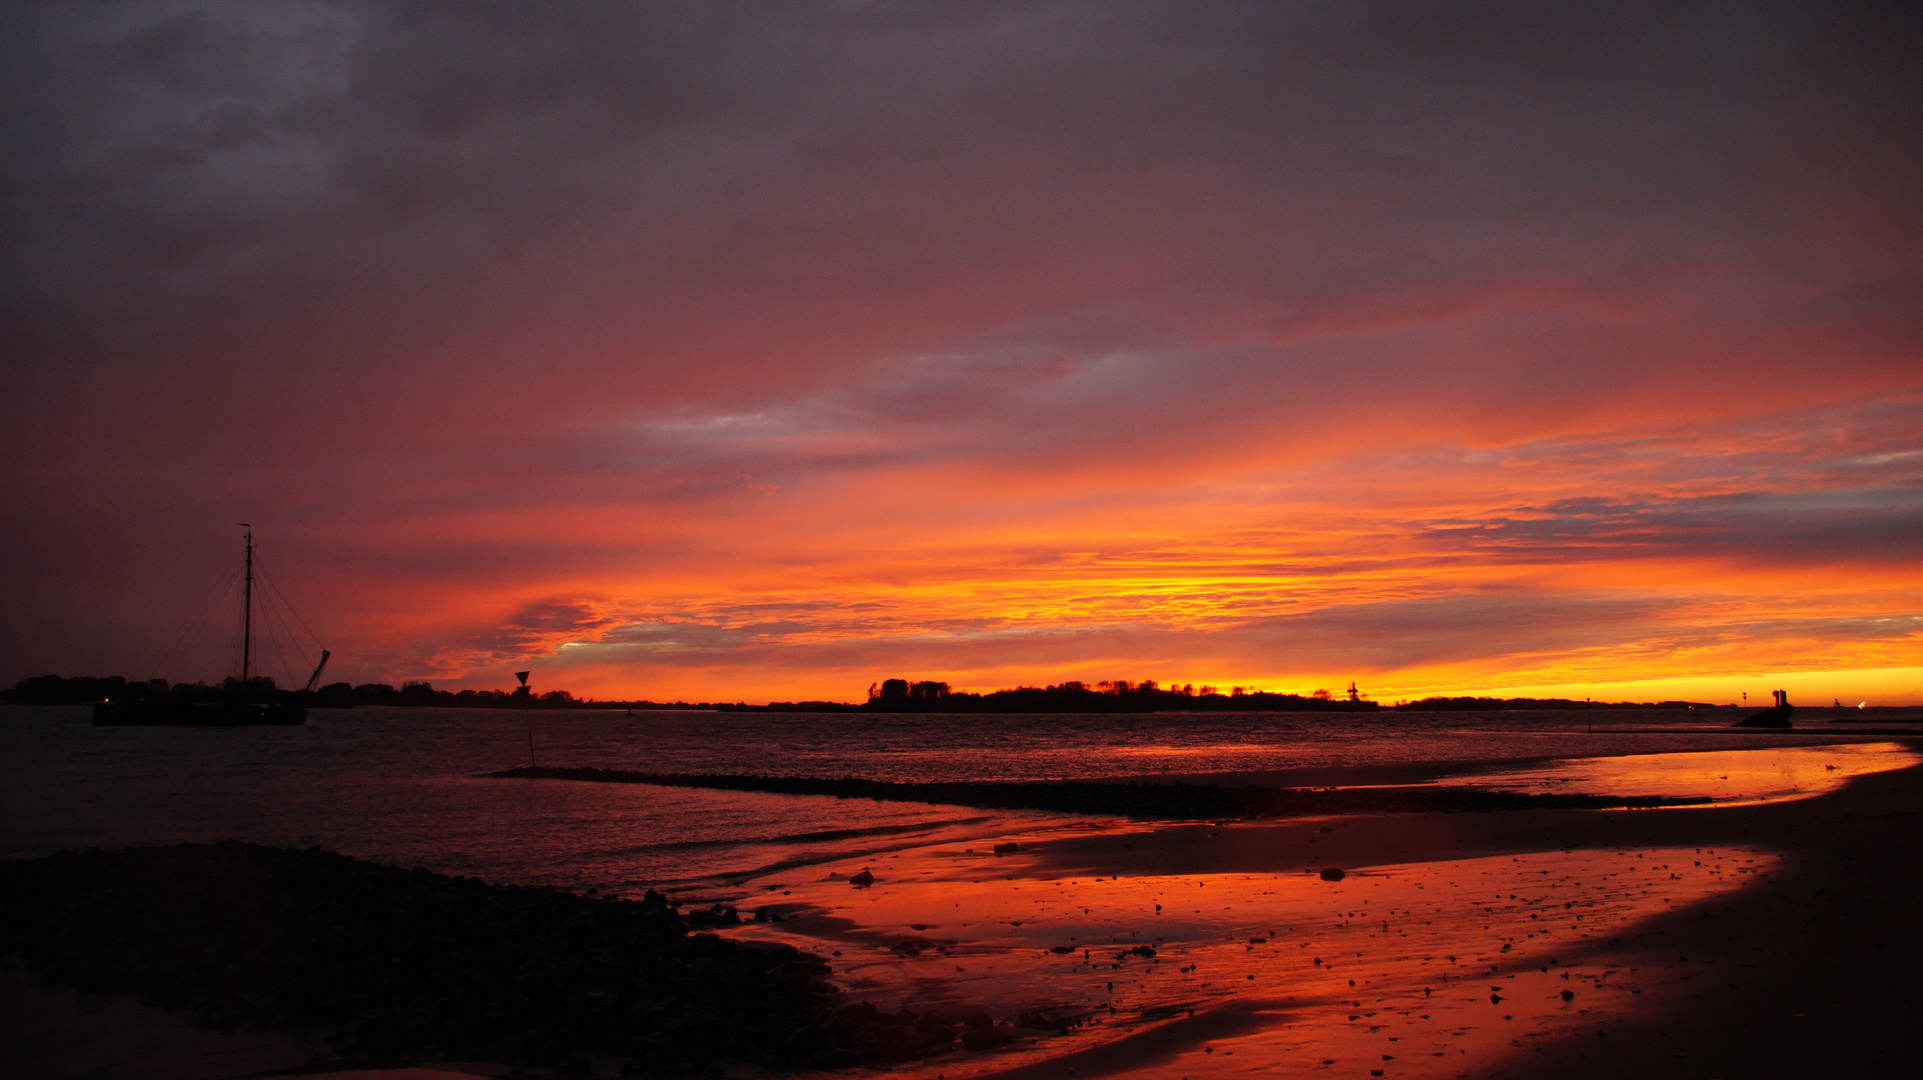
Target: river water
x,y
403,785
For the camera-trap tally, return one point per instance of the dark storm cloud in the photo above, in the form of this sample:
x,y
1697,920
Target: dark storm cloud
x,y
1864,528
389,273
427,162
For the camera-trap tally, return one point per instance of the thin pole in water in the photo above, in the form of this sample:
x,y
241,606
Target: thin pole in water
x,y
527,713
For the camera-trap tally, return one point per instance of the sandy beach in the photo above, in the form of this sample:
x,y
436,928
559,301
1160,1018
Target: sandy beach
x,y
1768,939
1745,940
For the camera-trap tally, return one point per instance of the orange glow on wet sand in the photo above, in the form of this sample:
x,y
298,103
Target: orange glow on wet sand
x,y
1421,969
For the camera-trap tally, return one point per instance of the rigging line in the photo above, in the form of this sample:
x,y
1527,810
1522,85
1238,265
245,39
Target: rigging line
x,y
289,639
190,633
269,635
283,639
282,610
271,614
274,586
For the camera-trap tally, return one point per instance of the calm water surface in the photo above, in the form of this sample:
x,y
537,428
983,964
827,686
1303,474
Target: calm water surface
x,y
400,785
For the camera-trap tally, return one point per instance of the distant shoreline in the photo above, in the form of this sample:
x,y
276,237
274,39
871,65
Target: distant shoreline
x,y
892,697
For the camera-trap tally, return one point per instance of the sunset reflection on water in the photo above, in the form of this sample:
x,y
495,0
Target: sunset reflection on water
x,y
1433,964
1729,777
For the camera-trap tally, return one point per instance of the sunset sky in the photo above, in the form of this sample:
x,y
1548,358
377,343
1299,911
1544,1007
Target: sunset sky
x,y
762,351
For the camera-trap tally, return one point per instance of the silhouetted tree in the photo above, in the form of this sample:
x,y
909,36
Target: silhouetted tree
x,y
54,690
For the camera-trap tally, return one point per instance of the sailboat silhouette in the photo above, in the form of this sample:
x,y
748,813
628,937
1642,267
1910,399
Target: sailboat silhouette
x,y
243,704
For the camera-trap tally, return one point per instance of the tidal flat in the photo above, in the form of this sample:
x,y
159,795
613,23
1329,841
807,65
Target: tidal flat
x,y
1450,944
1765,929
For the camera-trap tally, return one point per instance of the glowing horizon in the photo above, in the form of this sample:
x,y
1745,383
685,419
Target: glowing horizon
x,y
1281,347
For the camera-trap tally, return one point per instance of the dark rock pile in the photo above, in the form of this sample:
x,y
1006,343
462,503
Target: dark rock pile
x,y
1157,802
408,964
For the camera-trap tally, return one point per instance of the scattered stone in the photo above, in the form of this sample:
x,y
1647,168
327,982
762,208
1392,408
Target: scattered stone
x,y
1331,873
862,879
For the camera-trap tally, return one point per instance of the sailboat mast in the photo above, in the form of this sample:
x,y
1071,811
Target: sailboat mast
x,y
247,617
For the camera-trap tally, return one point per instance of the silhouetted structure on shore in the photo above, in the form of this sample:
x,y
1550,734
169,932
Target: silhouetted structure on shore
x,y
1776,716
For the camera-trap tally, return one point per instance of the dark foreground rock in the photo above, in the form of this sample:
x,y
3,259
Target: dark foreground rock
x,y
1150,801
408,964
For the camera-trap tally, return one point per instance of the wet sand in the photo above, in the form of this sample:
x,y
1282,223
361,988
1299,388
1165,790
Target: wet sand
x,y
1814,973
1761,939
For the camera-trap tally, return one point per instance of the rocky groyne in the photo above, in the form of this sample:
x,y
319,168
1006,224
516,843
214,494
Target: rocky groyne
x,y
1149,801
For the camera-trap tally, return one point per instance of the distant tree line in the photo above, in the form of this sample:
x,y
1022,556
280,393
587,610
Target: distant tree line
x,y
1107,696
55,690
342,695
1485,704
1123,695
889,695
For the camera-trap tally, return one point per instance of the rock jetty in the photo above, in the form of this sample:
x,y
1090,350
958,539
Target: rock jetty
x,y
1149,801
